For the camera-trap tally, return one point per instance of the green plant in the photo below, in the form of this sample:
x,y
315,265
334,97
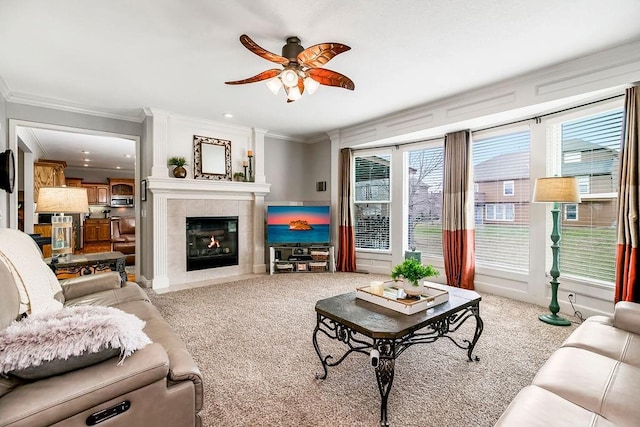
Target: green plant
x,y
238,176
177,161
413,270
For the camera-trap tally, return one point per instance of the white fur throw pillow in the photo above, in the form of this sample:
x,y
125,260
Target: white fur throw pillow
x,y
55,342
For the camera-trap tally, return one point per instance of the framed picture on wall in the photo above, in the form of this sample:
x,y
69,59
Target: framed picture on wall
x,y
143,190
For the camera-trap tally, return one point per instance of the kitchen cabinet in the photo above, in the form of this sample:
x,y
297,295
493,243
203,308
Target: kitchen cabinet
x,y
44,230
73,182
97,194
47,173
121,187
97,235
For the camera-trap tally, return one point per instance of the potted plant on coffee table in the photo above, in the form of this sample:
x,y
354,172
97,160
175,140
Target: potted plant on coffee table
x,y
178,162
411,271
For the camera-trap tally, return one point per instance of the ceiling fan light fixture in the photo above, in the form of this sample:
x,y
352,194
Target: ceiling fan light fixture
x,y
301,68
274,85
310,85
293,94
289,78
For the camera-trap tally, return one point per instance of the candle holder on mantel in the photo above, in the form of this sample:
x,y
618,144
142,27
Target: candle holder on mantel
x,y
250,178
244,166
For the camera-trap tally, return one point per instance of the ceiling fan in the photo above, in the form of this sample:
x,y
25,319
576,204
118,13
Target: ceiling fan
x,y
301,67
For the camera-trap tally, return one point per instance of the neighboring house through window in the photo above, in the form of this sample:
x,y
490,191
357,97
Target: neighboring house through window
x,y
501,173
372,204
589,239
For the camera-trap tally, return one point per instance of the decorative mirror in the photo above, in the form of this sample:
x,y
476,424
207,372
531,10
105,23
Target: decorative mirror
x,y
212,158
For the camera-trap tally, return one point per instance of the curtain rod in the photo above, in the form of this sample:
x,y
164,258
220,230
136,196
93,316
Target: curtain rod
x,y
515,122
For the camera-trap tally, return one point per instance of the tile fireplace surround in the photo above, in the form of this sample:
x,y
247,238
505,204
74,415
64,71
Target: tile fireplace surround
x,y
176,199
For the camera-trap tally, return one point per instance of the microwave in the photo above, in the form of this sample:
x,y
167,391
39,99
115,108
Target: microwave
x,y
122,201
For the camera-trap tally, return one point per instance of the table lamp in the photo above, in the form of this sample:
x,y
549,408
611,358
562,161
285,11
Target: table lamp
x,y
61,200
556,190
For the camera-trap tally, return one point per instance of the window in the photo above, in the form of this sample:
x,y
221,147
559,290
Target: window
x,y
424,215
501,167
508,188
372,202
588,245
571,212
499,212
583,184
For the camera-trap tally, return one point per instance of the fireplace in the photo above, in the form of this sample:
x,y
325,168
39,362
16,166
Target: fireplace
x,y
212,242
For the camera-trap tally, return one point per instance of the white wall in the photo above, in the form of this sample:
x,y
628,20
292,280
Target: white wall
x,y
317,168
285,168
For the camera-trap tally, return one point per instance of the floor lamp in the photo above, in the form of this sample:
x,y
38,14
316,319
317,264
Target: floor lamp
x,y
57,200
556,190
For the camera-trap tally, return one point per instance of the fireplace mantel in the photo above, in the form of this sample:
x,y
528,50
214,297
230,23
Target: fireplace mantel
x,y
201,193
183,188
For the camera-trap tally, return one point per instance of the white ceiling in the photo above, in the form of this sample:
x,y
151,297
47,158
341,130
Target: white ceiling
x,y
121,55
106,153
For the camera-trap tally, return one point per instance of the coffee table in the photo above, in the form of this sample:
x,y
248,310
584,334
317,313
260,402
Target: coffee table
x,y
89,263
368,328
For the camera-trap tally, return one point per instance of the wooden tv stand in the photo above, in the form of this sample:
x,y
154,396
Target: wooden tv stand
x,y
301,259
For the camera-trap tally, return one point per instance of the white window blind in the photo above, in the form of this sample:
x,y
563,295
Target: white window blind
x,y
588,244
372,200
424,216
502,211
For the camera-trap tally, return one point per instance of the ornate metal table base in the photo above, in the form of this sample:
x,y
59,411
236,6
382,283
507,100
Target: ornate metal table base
x,y
390,349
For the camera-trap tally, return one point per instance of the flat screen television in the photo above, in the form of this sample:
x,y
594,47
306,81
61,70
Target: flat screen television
x,y
305,225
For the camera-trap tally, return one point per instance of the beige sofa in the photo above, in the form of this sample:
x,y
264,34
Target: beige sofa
x,y
160,381
593,379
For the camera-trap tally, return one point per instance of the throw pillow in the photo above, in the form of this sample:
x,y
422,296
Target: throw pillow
x,y
53,343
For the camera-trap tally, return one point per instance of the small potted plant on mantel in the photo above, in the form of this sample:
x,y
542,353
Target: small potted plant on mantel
x,y
178,162
411,271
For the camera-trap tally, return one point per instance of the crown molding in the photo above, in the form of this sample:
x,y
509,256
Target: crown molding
x,y
4,89
283,137
32,140
135,115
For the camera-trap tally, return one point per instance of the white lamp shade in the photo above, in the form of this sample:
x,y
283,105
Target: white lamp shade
x,y
557,189
294,93
274,85
310,85
289,78
62,200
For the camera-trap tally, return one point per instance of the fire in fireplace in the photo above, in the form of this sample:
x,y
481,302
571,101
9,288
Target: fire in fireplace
x,y
212,242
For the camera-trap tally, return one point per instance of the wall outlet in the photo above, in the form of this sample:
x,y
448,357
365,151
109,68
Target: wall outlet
x,y
572,297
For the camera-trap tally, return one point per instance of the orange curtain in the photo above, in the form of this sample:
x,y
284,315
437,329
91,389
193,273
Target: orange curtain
x,y
627,288
458,234
347,236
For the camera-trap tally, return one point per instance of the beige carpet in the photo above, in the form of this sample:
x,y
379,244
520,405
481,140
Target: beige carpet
x,y
252,341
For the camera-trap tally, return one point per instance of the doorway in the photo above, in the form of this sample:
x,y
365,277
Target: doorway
x,y
83,154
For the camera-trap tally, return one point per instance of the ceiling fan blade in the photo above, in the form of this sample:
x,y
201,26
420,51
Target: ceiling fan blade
x,y
265,75
331,78
319,54
253,47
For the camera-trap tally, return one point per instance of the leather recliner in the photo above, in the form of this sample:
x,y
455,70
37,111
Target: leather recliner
x,y
123,237
160,382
